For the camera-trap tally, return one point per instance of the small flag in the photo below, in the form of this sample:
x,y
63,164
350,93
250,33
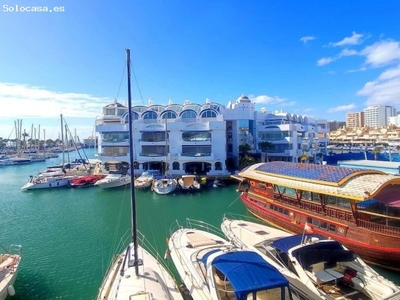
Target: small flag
x,y
308,228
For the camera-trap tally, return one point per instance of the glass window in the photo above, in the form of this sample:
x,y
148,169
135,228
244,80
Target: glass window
x,y
209,114
189,115
150,115
323,225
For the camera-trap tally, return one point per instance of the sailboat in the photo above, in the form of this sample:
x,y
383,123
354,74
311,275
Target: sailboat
x,y
136,273
55,178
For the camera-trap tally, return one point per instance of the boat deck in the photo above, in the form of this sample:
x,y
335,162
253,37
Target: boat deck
x,y
341,291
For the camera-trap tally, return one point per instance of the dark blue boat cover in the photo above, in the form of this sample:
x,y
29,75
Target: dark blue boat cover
x,y
248,272
330,252
287,243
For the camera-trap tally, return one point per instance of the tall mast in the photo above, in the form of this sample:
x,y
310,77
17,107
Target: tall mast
x,y
133,199
62,140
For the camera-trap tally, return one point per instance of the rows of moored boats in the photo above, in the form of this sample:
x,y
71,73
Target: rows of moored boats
x,y
112,175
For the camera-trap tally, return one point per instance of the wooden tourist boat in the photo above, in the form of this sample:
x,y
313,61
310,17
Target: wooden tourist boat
x,y
358,208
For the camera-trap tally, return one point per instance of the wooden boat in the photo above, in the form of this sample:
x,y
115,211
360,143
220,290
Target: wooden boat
x,y
9,266
137,273
316,267
212,268
358,208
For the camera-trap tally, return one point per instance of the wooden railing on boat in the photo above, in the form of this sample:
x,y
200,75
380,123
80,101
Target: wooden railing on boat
x,y
340,214
381,228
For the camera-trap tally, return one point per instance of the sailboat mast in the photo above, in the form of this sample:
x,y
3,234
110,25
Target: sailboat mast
x,y
133,199
62,140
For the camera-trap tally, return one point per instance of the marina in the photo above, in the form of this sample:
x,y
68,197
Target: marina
x,y
70,235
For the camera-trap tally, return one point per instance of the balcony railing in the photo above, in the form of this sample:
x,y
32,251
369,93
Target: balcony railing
x,y
193,154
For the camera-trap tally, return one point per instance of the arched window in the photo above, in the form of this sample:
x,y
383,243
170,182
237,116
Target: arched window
x,y
175,165
218,165
169,115
188,114
150,115
209,114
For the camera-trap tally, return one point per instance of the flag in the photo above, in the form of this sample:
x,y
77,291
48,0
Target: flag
x,y
308,228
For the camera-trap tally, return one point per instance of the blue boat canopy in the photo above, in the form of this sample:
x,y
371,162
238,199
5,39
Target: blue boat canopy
x,y
248,272
329,252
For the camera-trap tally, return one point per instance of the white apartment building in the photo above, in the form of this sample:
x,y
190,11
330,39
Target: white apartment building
x,y
200,138
378,115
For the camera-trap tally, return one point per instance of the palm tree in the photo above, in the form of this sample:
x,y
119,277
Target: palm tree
x,y
376,151
264,146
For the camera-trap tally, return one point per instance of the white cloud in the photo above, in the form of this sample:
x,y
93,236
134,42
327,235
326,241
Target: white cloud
x,y
342,108
306,39
382,53
355,39
348,52
345,52
384,90
32,101
325,60
264,99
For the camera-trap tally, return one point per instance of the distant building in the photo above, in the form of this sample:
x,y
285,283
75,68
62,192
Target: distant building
x,y
90,142
394,120
335,125
355,120
378,115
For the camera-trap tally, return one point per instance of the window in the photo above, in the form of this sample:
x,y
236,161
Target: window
x,y
150,115
323,225
189,114
169,115
209,114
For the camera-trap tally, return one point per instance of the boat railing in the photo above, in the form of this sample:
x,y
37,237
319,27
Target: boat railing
x,y
381,228
196,224
333,212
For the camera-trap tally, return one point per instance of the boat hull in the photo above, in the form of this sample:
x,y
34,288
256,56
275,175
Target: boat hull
x,y
363,242
47,183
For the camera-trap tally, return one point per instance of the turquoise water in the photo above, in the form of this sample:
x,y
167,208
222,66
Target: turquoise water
x,y
69,235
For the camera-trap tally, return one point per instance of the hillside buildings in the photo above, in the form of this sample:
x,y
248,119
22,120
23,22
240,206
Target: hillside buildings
x,y
205,138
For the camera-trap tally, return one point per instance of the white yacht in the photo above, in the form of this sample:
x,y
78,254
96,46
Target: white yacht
x,y
214,269
316,267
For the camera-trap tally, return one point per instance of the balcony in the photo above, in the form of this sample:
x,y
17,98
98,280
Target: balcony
x,y
196,156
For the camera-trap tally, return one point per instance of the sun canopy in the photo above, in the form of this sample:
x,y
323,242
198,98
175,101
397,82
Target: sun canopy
x,y
329,252
248,272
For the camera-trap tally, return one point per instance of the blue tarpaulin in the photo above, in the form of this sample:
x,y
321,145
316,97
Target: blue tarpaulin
x,y
248,272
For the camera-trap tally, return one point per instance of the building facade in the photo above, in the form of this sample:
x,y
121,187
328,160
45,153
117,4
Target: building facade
x,y
378,115
355,119
201,138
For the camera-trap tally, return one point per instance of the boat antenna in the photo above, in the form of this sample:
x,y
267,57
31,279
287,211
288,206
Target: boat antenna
x,y
133,199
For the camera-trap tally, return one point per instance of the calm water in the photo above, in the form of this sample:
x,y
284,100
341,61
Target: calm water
x,y
69,235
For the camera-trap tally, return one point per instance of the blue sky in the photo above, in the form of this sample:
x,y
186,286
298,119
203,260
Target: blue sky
x,y
315,58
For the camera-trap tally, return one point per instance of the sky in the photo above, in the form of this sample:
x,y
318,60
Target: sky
x,y
320,59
